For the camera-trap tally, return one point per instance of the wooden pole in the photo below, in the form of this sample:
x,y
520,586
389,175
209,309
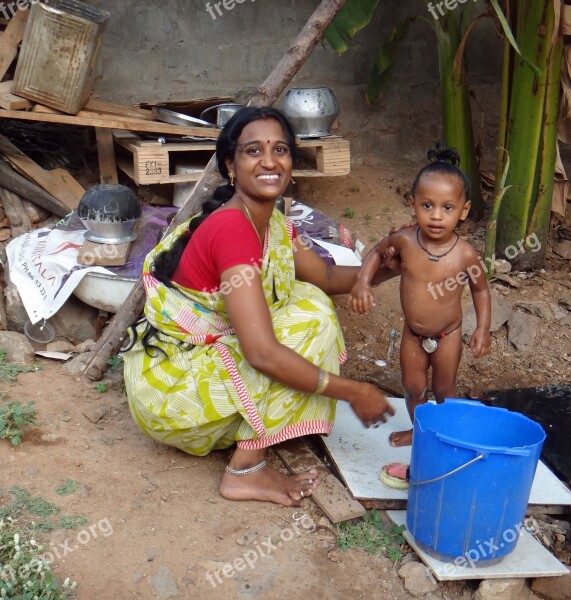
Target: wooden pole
x,y
113,337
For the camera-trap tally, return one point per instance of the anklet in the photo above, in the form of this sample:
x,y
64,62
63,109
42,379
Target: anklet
x,y
240,472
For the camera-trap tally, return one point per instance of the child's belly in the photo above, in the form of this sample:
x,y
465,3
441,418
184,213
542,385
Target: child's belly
x,y
430,310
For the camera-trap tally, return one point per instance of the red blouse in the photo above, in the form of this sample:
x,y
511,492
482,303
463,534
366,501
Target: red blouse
x,y
224,240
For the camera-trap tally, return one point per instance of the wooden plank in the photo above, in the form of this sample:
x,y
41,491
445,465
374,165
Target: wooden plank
x,y
331,496
113,122
15,182
16,213
55,183
106,154
105,255
11,101
93,104
10,39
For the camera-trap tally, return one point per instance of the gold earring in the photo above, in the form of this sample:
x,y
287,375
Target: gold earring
x,y
232,179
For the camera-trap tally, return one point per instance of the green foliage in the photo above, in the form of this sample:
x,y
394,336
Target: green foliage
x,y
101,388
372,535
351,18
367,218
67,488
13,418
9,371
71,521
24,574
23,503
114,361
372,238
349,213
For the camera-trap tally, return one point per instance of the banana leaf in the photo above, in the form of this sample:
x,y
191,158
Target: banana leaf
x,y
383,65
354,16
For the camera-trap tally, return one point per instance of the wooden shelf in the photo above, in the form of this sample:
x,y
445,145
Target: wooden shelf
x,y
150,162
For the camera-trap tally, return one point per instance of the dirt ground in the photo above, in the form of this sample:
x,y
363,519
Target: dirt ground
x,y
156,524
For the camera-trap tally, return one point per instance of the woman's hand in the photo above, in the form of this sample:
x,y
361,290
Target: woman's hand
x,y
370,405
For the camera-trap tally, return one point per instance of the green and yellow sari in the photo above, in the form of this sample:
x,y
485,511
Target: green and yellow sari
x,y
200,393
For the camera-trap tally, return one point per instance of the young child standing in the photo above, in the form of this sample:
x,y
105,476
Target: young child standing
x,y
435,265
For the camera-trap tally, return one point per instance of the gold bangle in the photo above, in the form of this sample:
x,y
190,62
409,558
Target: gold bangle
x,y
323,382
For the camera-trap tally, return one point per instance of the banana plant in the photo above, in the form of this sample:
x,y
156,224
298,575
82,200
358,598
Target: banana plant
x,y
451,28
528,129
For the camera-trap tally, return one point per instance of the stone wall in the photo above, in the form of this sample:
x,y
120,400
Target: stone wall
x,y
180,49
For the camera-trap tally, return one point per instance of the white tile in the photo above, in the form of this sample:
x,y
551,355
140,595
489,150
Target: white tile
x,y
359,454
528,559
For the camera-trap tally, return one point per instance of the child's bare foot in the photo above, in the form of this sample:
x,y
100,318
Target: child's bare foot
x,y
269,485
400,438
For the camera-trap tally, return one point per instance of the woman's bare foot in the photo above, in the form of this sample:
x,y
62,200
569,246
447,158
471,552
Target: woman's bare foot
x,y
400,438
269,485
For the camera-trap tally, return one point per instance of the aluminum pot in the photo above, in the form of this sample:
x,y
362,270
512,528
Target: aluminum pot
x,y
311,111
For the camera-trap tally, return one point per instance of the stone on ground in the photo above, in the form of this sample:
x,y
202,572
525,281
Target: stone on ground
x,y
552,588
18,348
500,589
417,579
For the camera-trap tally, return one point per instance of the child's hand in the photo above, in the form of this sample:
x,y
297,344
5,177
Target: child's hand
x,y
361,298
481,343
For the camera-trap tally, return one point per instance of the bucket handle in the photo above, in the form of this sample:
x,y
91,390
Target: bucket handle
x,y
478,447
476,459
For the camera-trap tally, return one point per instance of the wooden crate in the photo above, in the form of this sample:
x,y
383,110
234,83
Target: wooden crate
x,y
148,162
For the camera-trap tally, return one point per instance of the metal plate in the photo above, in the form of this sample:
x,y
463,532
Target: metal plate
x,y
109,240
175,118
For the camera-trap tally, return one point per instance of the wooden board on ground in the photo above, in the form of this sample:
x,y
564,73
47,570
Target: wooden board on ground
x,y
331,496
111,121
58,182
149,162
10,39
104,255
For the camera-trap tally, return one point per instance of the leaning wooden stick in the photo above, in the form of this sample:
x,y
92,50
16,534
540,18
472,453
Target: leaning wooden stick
x,y
113,337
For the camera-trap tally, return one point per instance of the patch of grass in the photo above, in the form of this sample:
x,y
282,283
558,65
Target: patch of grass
x,y
372,535
72,521
67,488
101,388
355,188
23,503
25,574
114,361
349,213
372,238
367,218
13,418
9,371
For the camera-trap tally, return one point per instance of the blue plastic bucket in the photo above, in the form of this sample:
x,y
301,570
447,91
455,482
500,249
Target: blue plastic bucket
x,y
471,472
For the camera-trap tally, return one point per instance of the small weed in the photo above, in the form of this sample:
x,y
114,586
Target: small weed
x,y
25,573
386,209
367,218
372,535
101,388
355,188
372,238
114,361
40,507
13,418
72,521
9,371
67,488
349,213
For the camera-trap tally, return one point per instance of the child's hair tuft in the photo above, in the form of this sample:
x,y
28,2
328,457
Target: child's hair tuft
x,y
443,160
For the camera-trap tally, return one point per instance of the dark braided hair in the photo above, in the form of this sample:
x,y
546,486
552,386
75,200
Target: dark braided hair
x,y
166,263
443,160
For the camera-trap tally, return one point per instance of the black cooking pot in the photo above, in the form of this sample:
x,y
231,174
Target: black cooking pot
x,y
109,213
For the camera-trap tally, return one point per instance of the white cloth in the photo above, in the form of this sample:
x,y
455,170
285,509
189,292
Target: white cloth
x,y
43,266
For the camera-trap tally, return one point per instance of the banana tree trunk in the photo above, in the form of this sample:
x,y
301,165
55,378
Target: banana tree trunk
x,y
529,135
456,111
